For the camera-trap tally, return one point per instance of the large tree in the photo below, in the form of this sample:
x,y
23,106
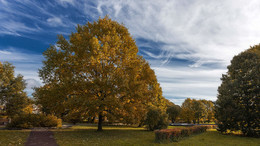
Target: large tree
x,y
99,73
238,103
12,94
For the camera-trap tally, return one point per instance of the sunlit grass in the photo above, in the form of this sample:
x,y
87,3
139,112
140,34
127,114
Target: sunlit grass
x,y
172,127
13,137
94,127
122,135
214,138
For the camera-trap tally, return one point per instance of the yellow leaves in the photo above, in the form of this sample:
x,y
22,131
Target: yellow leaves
x,y
78,37
28,109
94,45
101,65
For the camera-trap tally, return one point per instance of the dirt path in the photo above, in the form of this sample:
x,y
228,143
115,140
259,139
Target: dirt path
x,y
41,137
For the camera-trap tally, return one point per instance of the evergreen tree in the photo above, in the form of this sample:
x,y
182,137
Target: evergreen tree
x,y
238,103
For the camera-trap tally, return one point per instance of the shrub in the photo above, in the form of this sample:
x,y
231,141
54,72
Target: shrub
x,y
34,120
51,121
156,119
178,133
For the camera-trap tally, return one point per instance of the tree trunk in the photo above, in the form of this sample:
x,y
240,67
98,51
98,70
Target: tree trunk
x,y
93,120
100,119
194,121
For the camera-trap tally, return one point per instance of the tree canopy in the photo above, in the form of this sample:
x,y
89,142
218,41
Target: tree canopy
x,y
173,112
98,73
193,110
12,94
238,103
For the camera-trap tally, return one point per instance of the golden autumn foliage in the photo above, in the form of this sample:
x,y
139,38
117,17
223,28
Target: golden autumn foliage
x,y
99,72
193,110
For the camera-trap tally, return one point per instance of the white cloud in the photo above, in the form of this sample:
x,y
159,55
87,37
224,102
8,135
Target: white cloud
x,y
55,21
14,28
5,52
182,82
13,22
64,2
3,2
31,83
211,30
16,55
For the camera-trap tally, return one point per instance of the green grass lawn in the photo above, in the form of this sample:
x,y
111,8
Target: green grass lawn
x,y
120,135
13,137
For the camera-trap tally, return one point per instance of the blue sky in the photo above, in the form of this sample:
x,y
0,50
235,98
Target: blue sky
x,y
188,43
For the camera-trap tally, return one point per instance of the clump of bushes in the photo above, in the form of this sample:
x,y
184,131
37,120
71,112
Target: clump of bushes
x,y
156,119
26,121
176,134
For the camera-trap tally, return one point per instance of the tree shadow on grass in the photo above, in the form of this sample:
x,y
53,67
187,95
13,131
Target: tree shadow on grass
x,y
106,137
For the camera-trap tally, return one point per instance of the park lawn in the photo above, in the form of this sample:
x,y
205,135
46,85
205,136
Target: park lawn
x,y
13,137
120,135
213,138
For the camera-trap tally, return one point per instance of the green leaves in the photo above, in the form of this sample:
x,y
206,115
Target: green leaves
x,y
173,112
238,104
11,90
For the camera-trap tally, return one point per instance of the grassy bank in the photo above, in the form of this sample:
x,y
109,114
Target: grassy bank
x,y
119,135
13,137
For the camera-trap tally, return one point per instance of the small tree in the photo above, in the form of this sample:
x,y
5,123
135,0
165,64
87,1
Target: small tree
x,y
209,110
12,94
173,112
199,109
238,103
187,113
156,119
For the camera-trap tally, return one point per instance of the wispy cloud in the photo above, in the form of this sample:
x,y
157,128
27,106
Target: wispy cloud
x,y
207,28
183,81
188,43
55,21
26,17
205,33
66,2
14,28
